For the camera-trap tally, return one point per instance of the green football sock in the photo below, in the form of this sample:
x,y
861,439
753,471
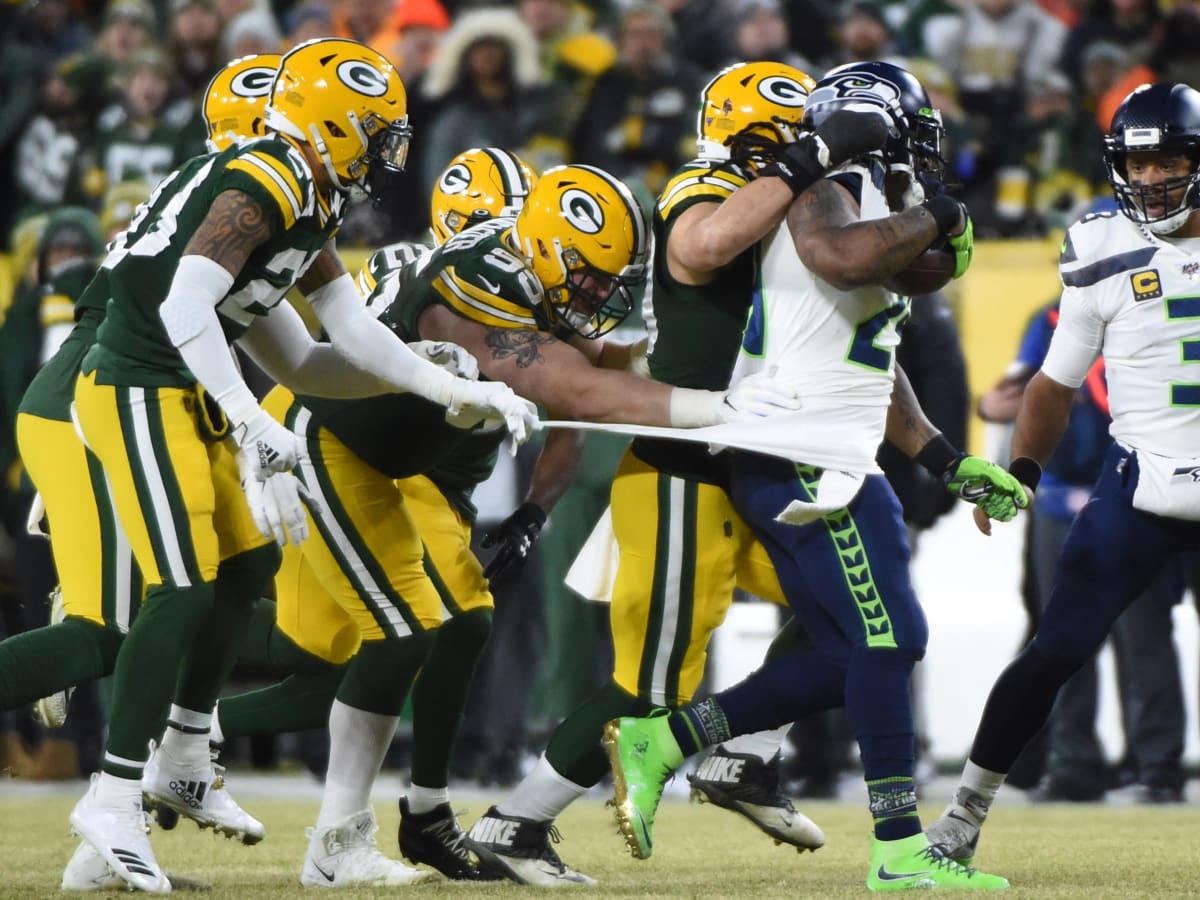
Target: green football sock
x,y
147,670
240,583
575,750
38,663
377,679
440,693
297,703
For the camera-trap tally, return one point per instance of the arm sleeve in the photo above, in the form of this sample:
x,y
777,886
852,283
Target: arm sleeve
x,y
371,346
189,315
1077,339
281,345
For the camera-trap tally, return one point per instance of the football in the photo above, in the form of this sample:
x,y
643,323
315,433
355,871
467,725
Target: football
x,y
929,272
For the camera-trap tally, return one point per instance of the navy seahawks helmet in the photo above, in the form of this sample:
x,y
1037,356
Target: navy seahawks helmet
x,y
914,127
1156,117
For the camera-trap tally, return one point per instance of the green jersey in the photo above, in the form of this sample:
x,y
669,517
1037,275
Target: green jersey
x,y
695,330
480,277
132,347
50,393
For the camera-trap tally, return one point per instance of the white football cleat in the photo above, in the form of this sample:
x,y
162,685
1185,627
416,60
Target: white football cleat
x,y
87,871
118,834
345,855
52,711
198,793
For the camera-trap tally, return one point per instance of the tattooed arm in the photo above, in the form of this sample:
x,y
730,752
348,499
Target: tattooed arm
x,y
907,426
835,245
233,228
551,372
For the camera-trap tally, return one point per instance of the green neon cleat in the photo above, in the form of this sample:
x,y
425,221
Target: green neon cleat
x,y
643,754
914,863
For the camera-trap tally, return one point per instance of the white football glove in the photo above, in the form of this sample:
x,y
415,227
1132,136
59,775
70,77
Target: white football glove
x,y
451,357
757,395
472,402
277,504
269,447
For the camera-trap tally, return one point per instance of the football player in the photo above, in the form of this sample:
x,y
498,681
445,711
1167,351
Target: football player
x,y
565,264
1128,293
100,586
209,259
683,549
827,517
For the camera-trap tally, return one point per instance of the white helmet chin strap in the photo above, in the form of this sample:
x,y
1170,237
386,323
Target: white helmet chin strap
x,y
1172,223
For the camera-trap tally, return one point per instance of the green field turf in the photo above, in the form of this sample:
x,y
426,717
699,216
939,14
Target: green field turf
x,y
1046,851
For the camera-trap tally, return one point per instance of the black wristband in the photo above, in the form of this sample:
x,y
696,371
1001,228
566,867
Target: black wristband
x,y
937,455
1027,471
946,212
532,513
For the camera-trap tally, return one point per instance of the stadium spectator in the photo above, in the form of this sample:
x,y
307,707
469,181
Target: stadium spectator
x,y
1175,57
307,21
639,123
127,26
761,33
864,33
193,43
1136,25
703,31
250,32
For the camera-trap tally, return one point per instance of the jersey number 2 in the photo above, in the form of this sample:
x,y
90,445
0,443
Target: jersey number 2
x,y
863,350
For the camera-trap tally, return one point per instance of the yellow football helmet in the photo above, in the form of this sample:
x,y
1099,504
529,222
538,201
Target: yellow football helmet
x,y
752,100
584,235
235,99
478,185
347,102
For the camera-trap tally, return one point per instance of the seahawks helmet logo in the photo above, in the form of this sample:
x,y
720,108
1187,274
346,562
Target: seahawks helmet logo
x,y
853,86
362,77
254,82
582,210
455,180
783,91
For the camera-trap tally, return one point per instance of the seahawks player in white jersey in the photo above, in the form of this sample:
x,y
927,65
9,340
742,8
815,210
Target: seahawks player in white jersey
x,y
831,524
1130,294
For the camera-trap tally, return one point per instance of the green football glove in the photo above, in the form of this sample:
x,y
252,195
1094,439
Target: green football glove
x,y
963,246
988,486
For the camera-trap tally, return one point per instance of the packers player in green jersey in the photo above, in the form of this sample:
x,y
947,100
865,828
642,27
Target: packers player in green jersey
x,y
208,260
563,266
683,548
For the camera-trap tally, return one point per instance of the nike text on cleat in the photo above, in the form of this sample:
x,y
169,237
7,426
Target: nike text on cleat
x,y
345,855
635,749
913,863
199,794
119,836
521,850
750,787
435,839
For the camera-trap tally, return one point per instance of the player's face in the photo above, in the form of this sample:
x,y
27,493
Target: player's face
x,y
1157,168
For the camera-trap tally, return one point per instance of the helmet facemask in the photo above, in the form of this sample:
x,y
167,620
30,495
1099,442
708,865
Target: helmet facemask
x,y
374,174
1135,200
591,302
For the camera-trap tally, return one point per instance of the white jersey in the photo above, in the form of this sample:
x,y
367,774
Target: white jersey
x,y
1135,298
837,347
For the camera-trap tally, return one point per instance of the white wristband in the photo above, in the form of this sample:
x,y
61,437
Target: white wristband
x,y
692,408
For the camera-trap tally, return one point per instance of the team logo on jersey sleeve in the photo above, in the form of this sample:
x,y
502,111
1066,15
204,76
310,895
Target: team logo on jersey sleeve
x,y
1146,285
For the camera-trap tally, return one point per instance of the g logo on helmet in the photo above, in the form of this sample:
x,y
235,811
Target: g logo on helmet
x,y
455,180
362,77
254,82
582,210
783,91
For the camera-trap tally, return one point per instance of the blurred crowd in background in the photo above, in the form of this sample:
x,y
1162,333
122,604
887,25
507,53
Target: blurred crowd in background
x,y
102,99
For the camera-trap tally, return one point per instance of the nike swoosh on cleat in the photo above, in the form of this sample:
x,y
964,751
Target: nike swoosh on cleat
x,y
328,877
884,875
958,818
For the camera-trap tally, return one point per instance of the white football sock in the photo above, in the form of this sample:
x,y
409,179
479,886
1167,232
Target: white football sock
x,y
426,799
118,793
763,744
542,794
188,747
216,735
358,741
981,781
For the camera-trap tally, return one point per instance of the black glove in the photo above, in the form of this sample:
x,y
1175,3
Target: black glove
x,y
514,538
843,135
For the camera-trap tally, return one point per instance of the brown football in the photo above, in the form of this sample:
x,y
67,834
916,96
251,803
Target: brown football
x,y
929,272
